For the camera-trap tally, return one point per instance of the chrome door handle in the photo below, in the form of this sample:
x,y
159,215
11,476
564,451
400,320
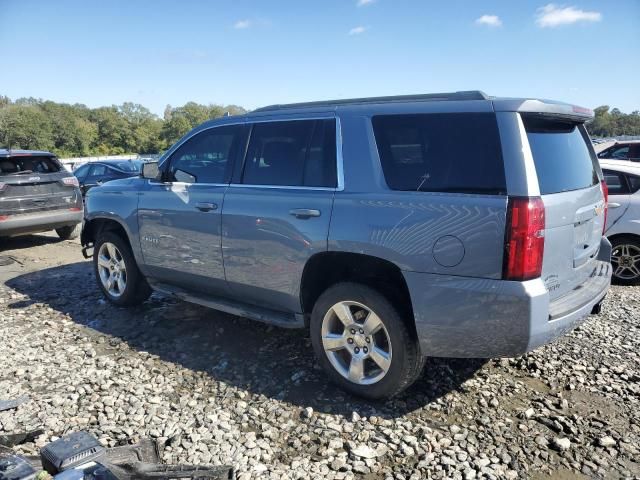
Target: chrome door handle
x,y
613,205
206,206
304,212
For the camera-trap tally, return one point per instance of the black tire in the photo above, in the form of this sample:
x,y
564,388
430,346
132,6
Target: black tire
x,y
625,277
406,359
137,289
70,232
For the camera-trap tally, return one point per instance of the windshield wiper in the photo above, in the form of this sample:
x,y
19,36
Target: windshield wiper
x,y
23,172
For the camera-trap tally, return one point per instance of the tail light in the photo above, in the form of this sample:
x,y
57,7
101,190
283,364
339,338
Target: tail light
x,y
3,217
70,181
524,248
605,192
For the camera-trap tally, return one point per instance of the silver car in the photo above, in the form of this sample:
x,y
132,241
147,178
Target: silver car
x,y
623,219
456,225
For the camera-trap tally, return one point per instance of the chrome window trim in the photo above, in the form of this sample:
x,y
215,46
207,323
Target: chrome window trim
x,y
186,184
249,121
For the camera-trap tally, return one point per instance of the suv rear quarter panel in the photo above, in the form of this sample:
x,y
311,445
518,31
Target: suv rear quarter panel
x,y
440,233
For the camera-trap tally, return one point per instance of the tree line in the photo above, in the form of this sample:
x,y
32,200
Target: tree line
x,y
78,131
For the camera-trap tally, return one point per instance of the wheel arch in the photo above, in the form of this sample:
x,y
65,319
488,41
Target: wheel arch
x,y
94,227
328,268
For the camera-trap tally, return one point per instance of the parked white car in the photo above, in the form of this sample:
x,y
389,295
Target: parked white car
x,y
623,218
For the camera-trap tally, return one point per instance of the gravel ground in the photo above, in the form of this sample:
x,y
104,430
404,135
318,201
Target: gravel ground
x,y
214,388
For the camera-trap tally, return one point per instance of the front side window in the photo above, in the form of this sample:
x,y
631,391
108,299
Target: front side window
x,y
207,157
292,153
448,152
98,171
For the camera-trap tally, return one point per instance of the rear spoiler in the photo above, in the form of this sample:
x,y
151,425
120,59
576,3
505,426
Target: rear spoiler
x,y
544,107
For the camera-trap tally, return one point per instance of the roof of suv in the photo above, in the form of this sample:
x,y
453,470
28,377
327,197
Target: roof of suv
x,y
472,98
23,153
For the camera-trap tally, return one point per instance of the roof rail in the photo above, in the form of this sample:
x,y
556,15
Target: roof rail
x,y
428,97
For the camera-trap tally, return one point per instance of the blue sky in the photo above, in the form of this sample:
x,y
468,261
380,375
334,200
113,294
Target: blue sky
x,y
253,53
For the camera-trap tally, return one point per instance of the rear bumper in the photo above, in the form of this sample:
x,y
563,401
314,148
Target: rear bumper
x,y
35,222
484,318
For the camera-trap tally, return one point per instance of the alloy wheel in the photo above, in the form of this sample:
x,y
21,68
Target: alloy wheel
x,y
112,269
356,342
626,261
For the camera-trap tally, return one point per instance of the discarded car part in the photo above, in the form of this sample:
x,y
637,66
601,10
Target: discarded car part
x,y
15,467
155,471
71,451
9,404
13,439
146,450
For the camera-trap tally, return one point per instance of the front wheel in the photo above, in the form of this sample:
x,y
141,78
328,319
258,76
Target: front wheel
x,y
362,342
117,273
625,260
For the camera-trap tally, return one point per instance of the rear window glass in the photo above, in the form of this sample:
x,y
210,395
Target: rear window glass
x,y
27,164
449,152
561,155
129,167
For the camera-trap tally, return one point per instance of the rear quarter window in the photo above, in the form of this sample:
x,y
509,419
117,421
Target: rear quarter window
x,y
561,154
448,152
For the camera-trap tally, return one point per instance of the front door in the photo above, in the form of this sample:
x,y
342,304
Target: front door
x,y
276,213
617,184
180,217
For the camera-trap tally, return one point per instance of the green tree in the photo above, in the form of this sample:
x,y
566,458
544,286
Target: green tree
x,y
26,127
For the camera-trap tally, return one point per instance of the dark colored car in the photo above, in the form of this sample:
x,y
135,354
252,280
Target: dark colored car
x,y
37,194
622,151
96,173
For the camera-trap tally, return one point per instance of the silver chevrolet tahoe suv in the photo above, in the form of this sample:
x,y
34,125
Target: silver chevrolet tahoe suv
x,y
451,225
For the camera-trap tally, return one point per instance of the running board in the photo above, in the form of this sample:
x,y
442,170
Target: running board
x,y
264,315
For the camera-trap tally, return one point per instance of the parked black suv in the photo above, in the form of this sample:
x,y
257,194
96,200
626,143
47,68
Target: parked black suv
x,y
37,194
629,150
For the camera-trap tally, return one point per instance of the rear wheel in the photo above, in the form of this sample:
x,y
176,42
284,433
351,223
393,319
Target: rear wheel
x,y
362,343
625,259
117,273
70,232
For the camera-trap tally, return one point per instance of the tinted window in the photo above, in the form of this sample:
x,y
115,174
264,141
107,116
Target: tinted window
x,y
615,182
618,153
131,166
81,172
561,154
441,152
28,163
98,171
295,153
634,152
634,183
207,157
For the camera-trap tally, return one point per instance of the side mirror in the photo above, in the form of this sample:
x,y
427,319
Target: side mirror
x,y
150,171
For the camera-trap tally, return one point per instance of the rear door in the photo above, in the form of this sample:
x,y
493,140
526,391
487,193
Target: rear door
x,y
32,183
569,181
276,213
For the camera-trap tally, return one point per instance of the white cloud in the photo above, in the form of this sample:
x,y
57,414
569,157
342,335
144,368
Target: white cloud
x,y
489,21
242,24
553,15
357,30
362,3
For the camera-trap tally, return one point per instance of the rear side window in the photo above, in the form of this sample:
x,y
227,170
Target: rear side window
x,y
28,163
561,154
615,182
292,153
449,152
